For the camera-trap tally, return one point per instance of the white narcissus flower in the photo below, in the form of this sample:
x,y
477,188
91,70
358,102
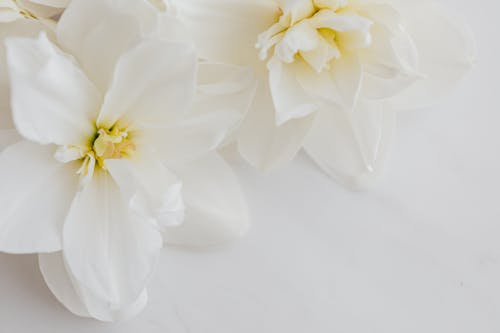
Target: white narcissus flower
x,y
331,72
120,128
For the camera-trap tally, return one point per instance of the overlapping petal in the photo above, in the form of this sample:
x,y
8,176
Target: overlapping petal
x,y
265,145
77,298
21,28
62,102
351,146
216,211
44,9
97,34
226,30
290,99
110,250
35,196
8,11
443,61
152,191
156,94
224,94
227,89
53,3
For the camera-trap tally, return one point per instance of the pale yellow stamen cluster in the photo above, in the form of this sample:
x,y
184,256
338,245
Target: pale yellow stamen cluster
x,y
315,31
112,144
105,144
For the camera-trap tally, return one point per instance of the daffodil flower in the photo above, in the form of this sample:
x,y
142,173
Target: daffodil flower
x,y
119,130
331,72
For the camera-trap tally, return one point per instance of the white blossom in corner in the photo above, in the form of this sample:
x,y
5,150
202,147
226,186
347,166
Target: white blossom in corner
x,y
120,129
331,72
11,10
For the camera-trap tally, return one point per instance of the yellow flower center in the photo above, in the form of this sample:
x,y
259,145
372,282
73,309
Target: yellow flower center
x,y
315,31
105,144
111,144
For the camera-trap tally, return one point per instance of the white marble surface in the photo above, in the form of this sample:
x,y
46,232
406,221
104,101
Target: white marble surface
x,y
418,253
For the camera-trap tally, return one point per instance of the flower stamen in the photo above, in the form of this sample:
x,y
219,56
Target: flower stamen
x,y
316,32
113,143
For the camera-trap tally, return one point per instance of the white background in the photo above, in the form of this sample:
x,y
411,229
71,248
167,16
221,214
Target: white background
x,y
418,253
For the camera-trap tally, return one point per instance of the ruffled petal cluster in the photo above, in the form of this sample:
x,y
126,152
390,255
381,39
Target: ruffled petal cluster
x,y
331,73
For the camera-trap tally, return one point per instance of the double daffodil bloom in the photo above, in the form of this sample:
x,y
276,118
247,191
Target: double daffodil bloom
x,y
331,72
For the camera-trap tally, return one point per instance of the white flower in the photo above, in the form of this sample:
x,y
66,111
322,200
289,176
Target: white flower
x,y
331,72
119,132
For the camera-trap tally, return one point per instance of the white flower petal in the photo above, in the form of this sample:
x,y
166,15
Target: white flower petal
x,y
296,10
145,11
194,136
290,99
9,11
390,64
224,95
226,30
151,189
39,9
340,22
300,37
351,146
443,61
216,211
53,3
161,5
265,145
97,34
35,196
341,84
382,13
320,57
104,311
320,86
347,74
52,99
79,300
21,28
153,84
58,280
109,250
330,4
168,27
228,90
